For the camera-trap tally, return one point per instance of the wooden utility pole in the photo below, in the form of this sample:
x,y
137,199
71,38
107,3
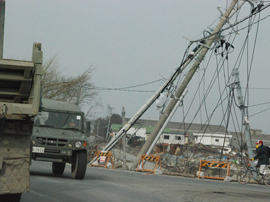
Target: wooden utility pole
x,y
184,84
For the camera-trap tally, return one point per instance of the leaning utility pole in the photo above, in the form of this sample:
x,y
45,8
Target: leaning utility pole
x,y
179,102
224,19
152,99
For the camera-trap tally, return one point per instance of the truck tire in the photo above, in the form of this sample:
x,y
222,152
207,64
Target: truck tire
x,y
78,168
58,168
10,197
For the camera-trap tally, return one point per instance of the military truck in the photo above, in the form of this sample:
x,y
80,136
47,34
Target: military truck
x,y
58,137
19,103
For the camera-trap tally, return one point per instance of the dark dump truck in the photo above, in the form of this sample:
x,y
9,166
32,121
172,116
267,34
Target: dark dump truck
x,y
19,104
58,137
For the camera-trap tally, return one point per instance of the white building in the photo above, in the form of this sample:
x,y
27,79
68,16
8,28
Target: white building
x,y
171,138
213,139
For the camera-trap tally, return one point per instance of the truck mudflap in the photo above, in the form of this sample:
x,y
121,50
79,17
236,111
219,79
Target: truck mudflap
x,y
14,176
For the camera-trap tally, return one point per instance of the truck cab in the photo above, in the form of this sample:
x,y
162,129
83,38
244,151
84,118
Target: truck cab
x,y
58,137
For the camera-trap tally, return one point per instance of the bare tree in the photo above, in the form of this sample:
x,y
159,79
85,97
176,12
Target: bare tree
x,y
79,89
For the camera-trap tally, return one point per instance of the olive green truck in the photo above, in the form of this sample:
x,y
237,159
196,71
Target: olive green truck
x,y
19,104
58,137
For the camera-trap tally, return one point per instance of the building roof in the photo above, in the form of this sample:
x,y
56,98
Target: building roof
x,y
150,128
212,135
180,127
117,127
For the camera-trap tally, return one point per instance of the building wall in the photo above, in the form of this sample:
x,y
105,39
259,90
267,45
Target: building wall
x,y
219,141
206,140
168,138
212,139
255,132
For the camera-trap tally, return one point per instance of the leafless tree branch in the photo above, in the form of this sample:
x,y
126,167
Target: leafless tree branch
x,y
77,89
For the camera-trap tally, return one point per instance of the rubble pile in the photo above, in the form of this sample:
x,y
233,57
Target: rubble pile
x,y
185,161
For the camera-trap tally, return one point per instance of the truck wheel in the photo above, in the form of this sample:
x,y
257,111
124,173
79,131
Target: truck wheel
x,y
11,197
79,167
58,168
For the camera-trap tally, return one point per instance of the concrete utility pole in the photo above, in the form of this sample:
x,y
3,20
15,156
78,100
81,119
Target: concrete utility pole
x,y
243,109
2,26
109,121
167,121
124,139
184,84
152,99
98,127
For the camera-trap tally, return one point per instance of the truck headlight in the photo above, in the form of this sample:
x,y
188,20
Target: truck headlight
x,y
78,144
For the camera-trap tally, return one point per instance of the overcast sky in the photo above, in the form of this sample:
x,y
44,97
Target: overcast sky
x,y
128,42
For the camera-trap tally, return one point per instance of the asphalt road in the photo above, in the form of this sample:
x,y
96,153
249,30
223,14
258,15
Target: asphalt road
x,y
111,185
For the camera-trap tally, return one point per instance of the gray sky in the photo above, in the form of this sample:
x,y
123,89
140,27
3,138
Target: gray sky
x,y
128,42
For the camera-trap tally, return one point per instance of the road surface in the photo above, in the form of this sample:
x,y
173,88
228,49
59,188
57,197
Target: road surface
x,y
109,185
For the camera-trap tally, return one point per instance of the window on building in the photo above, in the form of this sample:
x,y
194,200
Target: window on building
x,y
166,137
216,140
178,137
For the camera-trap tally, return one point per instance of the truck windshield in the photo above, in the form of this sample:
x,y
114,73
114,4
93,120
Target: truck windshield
x,y
59,120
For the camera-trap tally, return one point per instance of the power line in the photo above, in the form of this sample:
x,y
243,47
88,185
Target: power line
x,y
139,91
257,88
259,104
260,112
125,88
238,22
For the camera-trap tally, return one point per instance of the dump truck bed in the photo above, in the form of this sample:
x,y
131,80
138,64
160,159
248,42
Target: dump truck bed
x,y
15,80
19,92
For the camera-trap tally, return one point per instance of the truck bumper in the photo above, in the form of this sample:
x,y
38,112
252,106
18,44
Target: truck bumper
x,y
52,155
